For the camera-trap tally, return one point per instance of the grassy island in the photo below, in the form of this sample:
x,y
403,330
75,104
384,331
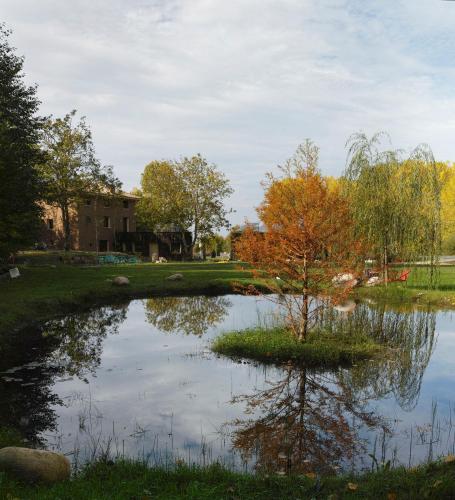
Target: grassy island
x,y
278,345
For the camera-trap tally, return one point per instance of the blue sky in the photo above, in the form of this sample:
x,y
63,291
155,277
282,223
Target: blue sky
x,y
242,82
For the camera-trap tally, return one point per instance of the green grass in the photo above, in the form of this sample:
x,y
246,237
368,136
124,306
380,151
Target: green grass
x,y
133,481
277,345
42,292
415,290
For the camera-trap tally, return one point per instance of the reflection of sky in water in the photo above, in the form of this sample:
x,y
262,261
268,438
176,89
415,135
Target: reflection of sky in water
x,y
162,383
156,392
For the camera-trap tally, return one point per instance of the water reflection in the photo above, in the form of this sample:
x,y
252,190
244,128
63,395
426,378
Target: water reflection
x,y
66,347
79,338
411,338
307,424
75,380
188,315
310,421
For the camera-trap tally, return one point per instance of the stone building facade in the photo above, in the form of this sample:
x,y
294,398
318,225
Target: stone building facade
x,y
95,222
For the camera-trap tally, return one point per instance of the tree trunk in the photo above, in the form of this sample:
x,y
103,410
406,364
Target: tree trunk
x,y
302,407
204,251
304,320
386,266
66,227
187,249
304,313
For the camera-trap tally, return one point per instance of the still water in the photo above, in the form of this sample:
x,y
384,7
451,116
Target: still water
x,y
139,380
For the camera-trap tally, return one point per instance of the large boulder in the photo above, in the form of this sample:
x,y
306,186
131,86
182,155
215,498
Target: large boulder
x,y
34,465
175,277
120,281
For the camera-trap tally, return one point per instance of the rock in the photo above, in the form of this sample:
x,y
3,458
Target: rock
x,y
34,465
175,277
14,273
120,281
342,278
374,280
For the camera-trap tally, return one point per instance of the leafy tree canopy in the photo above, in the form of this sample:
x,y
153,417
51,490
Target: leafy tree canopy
x,y
71,170
188,194
308,239
396,200
19,153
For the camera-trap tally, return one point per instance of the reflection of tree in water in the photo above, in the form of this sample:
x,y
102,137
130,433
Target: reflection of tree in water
x,y
411,337
188,315
27,404
36,357
309,422
80,338
306,425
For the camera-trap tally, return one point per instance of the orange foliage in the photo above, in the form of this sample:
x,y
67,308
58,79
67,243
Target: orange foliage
x,y
308,240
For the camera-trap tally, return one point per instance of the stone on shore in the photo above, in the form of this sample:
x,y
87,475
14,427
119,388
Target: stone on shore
x,y
175,277
34,466
121,281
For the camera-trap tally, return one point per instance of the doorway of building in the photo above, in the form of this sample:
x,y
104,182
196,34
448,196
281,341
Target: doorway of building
x,y
102,246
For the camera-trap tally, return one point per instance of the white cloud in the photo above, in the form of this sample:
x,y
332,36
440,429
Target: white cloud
x,y
242,82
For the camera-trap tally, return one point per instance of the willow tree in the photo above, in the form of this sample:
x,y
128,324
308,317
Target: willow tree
x,y
395,201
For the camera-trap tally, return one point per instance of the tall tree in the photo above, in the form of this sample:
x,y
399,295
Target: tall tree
x,y
206,189
71,170
395,200
19,153
188,194
162,197
448,207
308,240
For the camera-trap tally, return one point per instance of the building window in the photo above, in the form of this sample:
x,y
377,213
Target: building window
x,y
106,221
126,224
125,204
50,223
107,203
88,219
88,201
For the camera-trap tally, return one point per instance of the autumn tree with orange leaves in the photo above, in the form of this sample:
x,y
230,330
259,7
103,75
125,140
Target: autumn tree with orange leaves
x,y
307,242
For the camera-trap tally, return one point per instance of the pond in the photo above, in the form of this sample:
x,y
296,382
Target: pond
x,y
139,380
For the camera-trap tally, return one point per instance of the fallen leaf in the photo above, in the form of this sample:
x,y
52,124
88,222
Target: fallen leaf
x,y
311,475
391,496
352,486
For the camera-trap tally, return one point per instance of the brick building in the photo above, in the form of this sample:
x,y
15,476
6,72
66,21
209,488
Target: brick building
x,y
95,221
108,224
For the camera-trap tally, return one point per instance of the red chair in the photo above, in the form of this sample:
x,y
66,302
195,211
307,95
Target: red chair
x,y
403,276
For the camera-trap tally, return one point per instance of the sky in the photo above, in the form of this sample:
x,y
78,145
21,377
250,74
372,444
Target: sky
x,y
242,82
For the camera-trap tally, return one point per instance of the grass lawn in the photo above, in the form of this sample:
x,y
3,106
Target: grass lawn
x,y
415,289
41,292
280,346
125,480
46,290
